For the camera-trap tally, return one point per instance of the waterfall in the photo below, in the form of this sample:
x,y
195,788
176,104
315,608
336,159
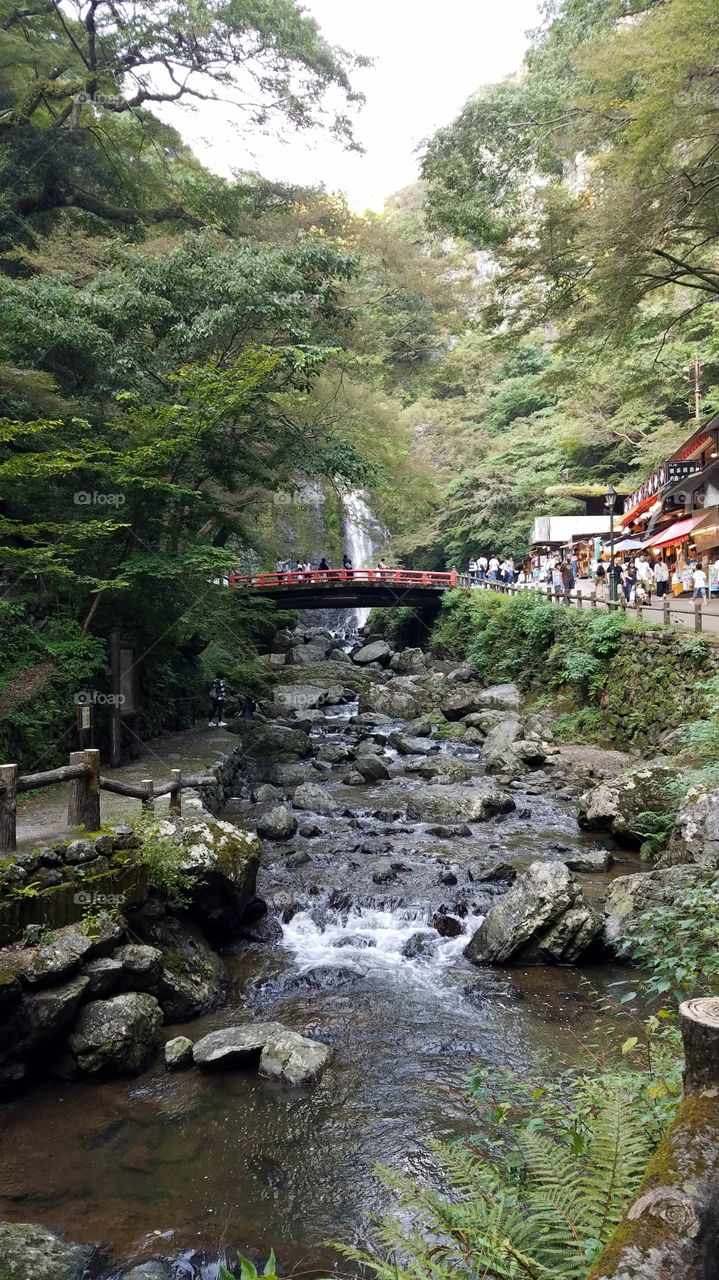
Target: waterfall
x,y
362,536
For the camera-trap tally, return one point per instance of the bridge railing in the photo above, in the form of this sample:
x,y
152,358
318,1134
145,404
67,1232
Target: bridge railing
x,y
320,577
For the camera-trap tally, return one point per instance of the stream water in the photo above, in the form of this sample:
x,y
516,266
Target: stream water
x,y
193,1166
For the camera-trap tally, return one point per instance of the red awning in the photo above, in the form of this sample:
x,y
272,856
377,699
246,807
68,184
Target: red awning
x,y
677,532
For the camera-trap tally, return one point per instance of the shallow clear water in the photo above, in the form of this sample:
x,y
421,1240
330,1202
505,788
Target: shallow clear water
x,y
175,1164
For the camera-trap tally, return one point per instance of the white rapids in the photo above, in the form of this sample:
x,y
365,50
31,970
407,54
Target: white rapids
x,y
372,940
362,537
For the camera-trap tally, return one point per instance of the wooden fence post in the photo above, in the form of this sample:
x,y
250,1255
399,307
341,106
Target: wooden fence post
x,y
76,793
666,612
697,615
699,1025
593,598
175,794
148,804
92,790
8,808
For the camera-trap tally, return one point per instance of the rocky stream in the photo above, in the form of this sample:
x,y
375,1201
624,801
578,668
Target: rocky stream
x,y
424,895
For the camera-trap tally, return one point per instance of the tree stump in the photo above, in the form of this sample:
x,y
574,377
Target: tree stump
x,y
699,1023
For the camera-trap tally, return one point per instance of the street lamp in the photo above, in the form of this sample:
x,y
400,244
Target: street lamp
x,y
610,501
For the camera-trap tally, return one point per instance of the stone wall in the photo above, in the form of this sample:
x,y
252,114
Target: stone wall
x,y
655,684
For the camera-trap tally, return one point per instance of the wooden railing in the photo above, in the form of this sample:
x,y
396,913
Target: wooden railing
x,y
320,577
665,607
83,800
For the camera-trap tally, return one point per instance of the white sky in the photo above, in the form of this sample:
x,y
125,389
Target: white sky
x,y
429,57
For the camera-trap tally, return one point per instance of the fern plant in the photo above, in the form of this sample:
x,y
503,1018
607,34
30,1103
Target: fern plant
x,y
542,1210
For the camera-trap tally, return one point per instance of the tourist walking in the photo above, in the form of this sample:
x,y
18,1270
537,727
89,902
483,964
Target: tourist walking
x,y
217,702
600,580
323,566
493,568
661,577
347,565
700,583
567,577
482,566
645,576
714,577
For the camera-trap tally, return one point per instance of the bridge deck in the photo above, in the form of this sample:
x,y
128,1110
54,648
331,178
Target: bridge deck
x,y
347,588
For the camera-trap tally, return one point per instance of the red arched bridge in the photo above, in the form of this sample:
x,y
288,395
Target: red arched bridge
x,y
347,588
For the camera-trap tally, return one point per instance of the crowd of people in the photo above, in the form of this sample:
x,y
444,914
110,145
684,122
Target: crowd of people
x,y
635,581
324,566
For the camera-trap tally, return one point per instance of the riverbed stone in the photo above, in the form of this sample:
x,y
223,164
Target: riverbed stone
x,y
307,655
141,967
193,978
407,661
104,975
53,962
266,793
589,861
420,727
443,770
372,768
234,1046
501,697
629,896
118,1036
395,702
436,803
498,753
461,702
378,651
619,804
30,1252
313,798
695,836
278,824
271,742
293,1058
300,697
407,746
542,918
178,1053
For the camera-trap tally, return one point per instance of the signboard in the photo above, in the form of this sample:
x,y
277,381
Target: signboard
x,y
679,470
84,718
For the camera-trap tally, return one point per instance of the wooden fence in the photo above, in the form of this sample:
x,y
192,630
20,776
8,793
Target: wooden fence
x,y
691,618
83,801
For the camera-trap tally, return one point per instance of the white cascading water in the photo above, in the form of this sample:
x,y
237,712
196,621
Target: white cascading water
x,y
362,537
372,940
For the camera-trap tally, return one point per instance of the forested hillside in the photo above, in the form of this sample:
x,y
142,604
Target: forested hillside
x,y
178,349
590,178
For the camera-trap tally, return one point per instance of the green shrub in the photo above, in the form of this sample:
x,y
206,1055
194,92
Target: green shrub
x,y
163,858
678,941
586,725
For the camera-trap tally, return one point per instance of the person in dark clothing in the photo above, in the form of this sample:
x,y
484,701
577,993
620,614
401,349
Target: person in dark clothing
x,y
246,706
217,702
323,565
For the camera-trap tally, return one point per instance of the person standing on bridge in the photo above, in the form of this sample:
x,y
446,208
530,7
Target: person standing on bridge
x,y
493,569
347,565
382,565
482,566
323,566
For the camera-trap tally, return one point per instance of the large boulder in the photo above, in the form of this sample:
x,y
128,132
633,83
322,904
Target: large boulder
x,y
306,655
378,651
695,837
498,753
119,1036
219,861
501,697
271,742
629,896
53,962
372,768
278,824
458,803
408,661
441,769
620,804
315,799
407,746
542,918
293,1058
461,702
193,979
296,697
392,700
29,1252
31,1028
279,1053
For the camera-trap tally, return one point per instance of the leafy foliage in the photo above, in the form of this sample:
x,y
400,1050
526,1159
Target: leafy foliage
x,y
677,941
540,1187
